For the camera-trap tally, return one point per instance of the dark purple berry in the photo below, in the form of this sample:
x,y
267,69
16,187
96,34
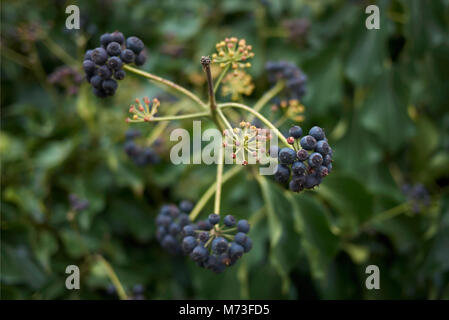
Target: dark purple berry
x,y
188,243
315,160
299,168
235,251
308,142
295,132
114,63
317,133
281,173
105,39
140,58
127,56
287,156
134,44
118,37
119,74
302,155
219,245
240,238
322,147
96,82
243,226
104,72
99,56
199,254
110,85
214,218
114,49
229,221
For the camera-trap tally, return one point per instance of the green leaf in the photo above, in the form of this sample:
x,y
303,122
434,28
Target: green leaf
x,y
319,243
385,114
54,154
349,197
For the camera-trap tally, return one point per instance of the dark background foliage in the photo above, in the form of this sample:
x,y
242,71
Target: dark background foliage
x,y
380,94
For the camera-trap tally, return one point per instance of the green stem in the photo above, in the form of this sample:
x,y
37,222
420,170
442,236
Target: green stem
x,y
219,181
167,83
258,115
113,276
205,62
390,213
220,77
225,120
59,52
270,94
210,192
178,117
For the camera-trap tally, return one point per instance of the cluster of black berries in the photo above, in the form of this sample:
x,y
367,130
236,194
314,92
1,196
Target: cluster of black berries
x,y
216,247
77,204
141,156
417,195
307,163
104,64
170,222
295,79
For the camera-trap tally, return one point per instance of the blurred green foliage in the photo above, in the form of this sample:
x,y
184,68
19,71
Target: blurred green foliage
x,y
380,94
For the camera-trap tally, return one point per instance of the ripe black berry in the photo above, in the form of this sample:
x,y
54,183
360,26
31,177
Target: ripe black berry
x,y
299,168
89,67
243,226
317,133
127,56
105,39
140,58
186,206
302,155
113,49
114,63
287,156
96,82
315,159
229,221
99,92
110,85
119,74
118,37
322,147
281,173
104,72
99,56
134,44
88,55
214,218
308,142
295,132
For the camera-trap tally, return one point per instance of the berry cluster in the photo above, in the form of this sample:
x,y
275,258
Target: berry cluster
x,y
295,79
103,65
141,156
309,161
417,195
77,204
170,222
216,247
